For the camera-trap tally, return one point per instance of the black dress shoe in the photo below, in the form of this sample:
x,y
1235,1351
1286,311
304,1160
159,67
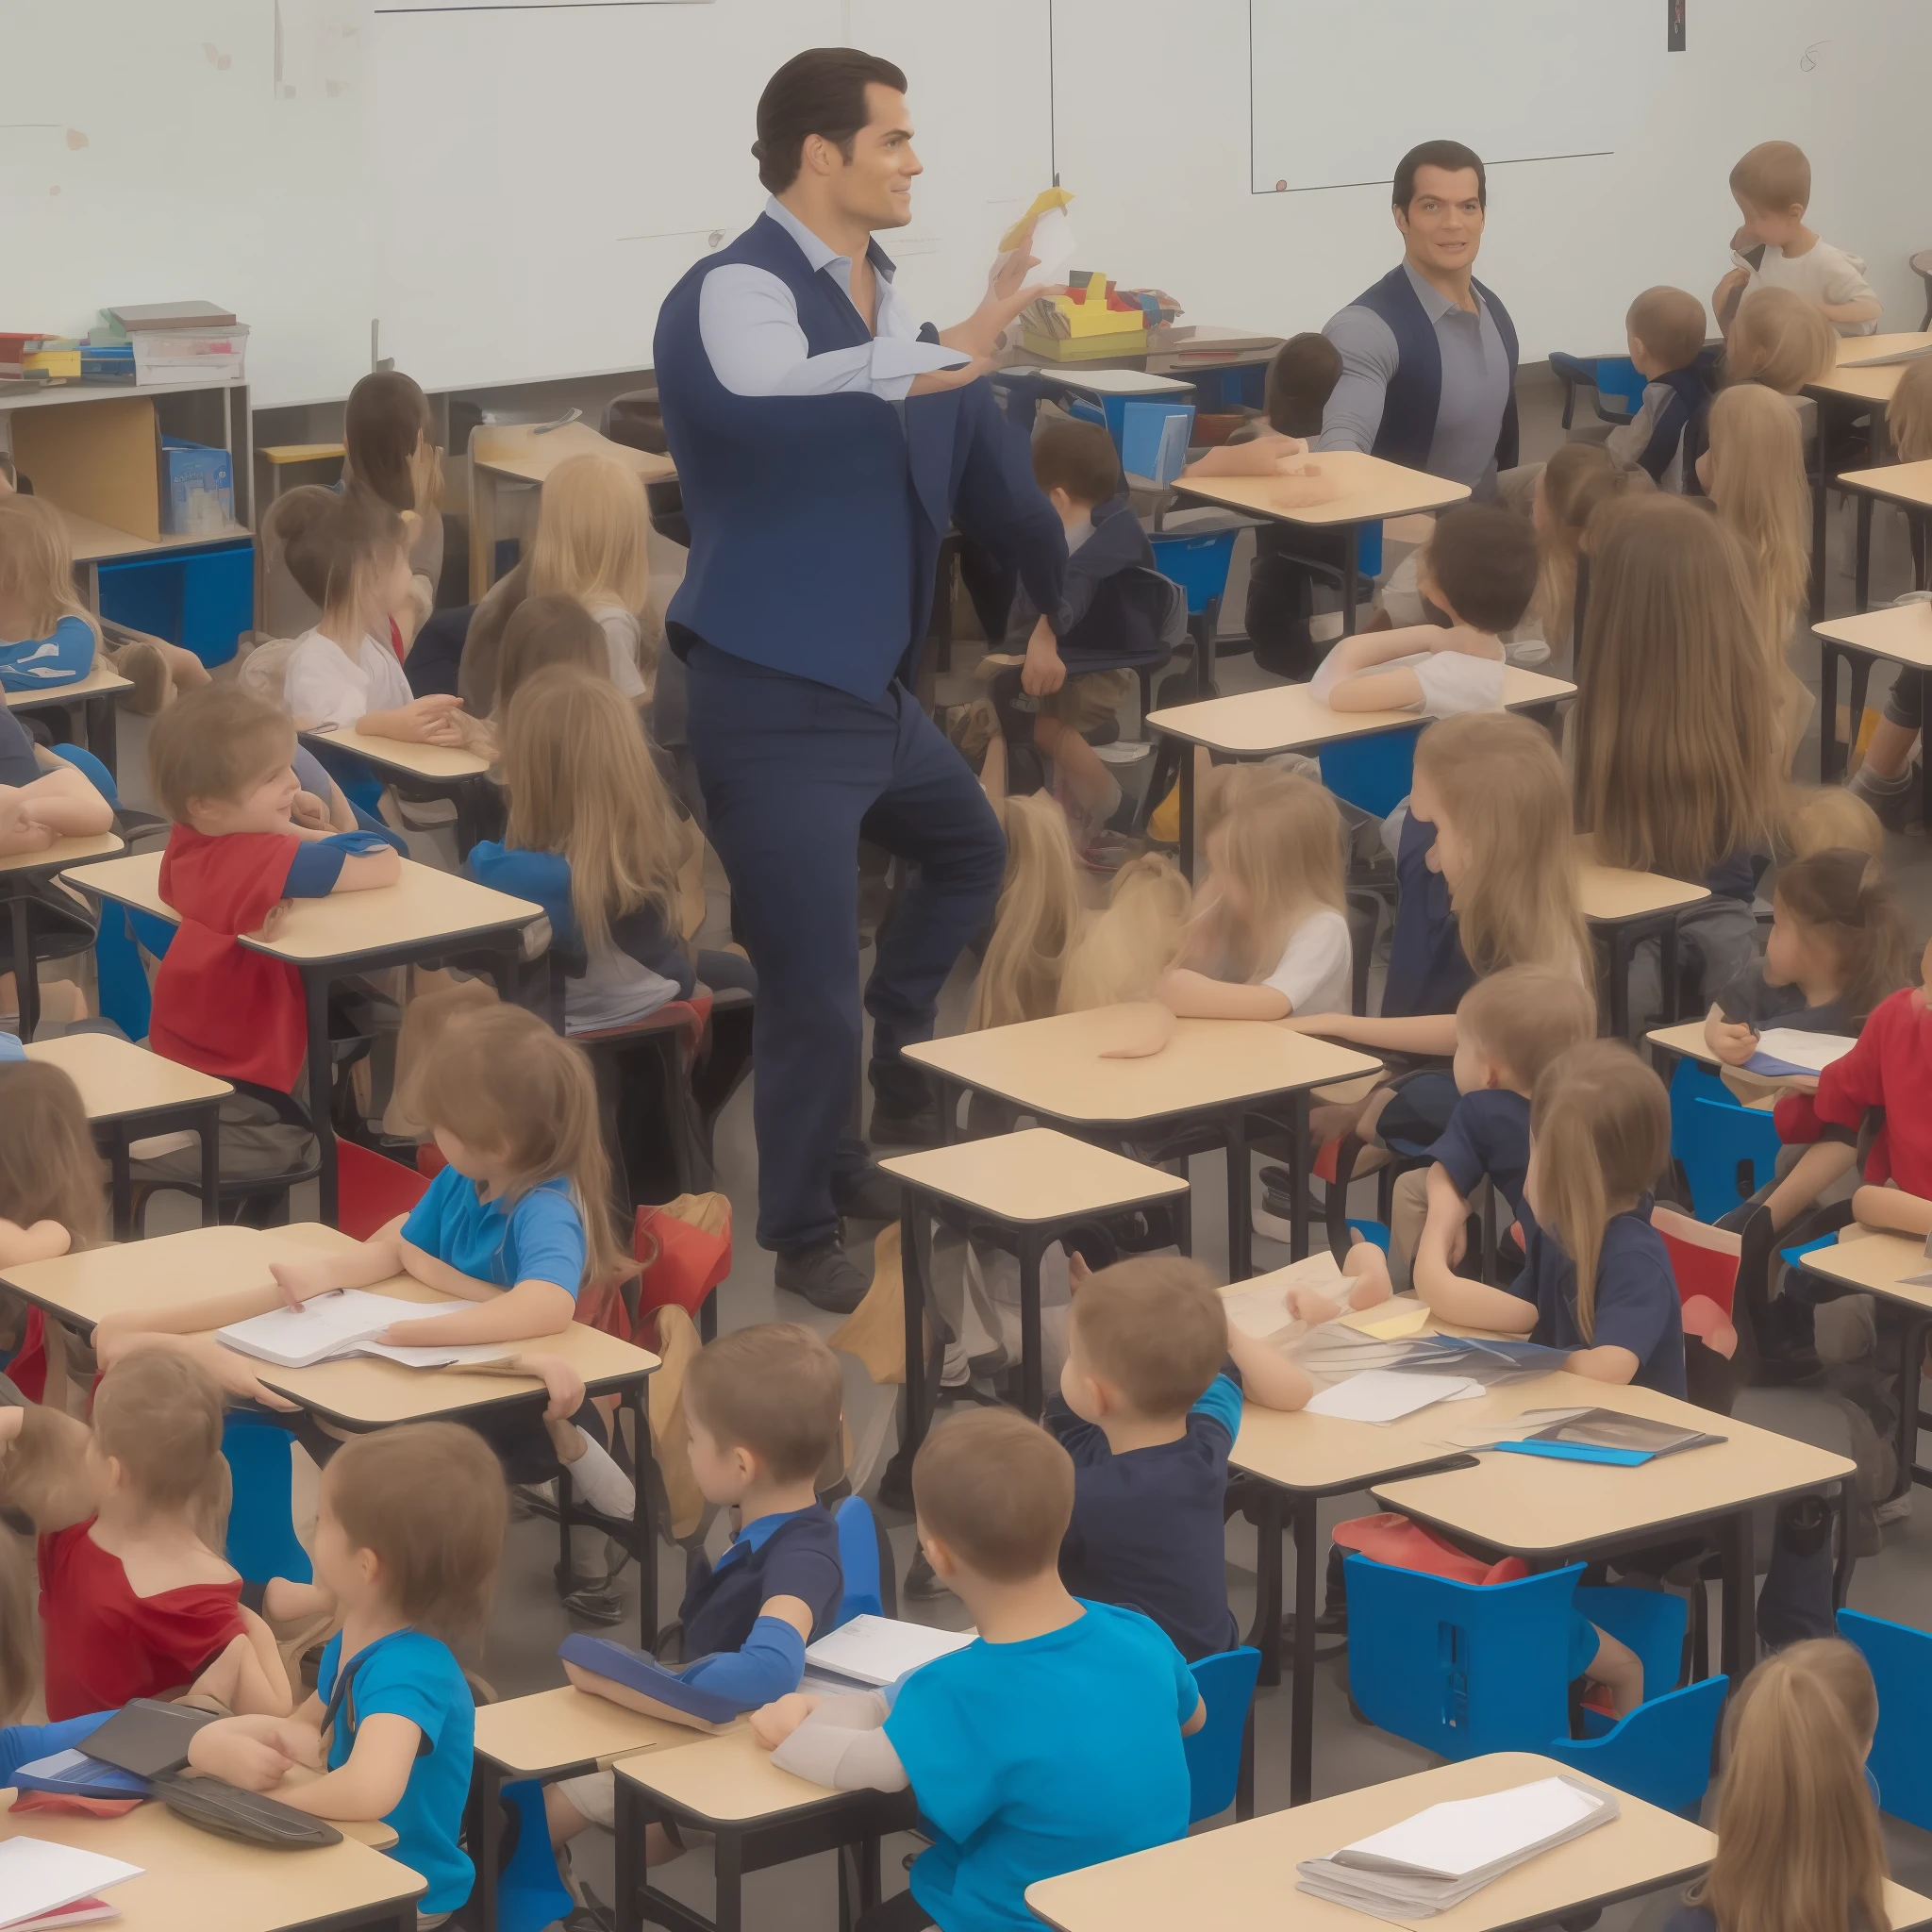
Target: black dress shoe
x,y
868,1195
917,1129
921,1582
824,1274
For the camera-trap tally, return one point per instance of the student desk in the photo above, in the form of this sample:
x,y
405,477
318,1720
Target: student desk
x,y
1208,1078
1909,485
424,771
89,702
1369,489
130,1094
527,452
1900,634
1621,906
426,917
548,1735
761,1816
193,1881
19,873
355,1394
1031,1189
1850,392
1289,717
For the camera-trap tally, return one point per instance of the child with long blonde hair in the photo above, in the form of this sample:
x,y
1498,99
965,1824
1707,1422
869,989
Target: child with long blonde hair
x,y
1883,774
594,839
1678,763
48,637
1570,489
1780,339
1799,1847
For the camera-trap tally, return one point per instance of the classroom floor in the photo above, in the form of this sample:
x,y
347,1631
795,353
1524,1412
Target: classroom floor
x,y
521,1654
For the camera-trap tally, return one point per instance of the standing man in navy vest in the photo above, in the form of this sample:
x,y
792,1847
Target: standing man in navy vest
x,y
825,440
1428,355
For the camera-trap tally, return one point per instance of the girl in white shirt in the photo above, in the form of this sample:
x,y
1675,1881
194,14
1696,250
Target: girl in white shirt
x,y
592,534
350,553
1269,933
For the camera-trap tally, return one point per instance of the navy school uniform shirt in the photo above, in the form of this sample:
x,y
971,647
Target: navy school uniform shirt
x,y
1487,1134
1427,972
18,765
1637,1304
796,1554
1146,1531
1109,610
1751,1000
1033,1758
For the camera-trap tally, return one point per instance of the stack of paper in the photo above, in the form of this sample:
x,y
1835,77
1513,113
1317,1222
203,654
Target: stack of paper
x,y
1441,1857
347,1323
39,1877
880,1650
1787,1053
1259,1308
1380,1396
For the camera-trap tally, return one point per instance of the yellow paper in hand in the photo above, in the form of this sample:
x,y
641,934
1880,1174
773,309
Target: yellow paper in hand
x,y
1406,1320
1047,198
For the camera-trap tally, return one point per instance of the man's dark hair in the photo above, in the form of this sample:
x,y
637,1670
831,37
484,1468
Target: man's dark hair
x,y
1483,559
819,92
1449,155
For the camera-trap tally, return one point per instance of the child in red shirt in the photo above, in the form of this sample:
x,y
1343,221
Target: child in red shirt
x,y
134,1600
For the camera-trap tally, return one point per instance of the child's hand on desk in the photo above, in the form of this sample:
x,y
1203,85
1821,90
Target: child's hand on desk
x,y
771,1724
1368,1268
1144,1029
310,813
302,1281
565,1385
1731,1041
278,918
1311,1305
253,1754
433,720
20,831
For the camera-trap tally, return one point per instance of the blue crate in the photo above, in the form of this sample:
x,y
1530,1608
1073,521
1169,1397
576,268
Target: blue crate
x,y
201,599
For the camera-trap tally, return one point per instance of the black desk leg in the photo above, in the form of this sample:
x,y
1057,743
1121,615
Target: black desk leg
x,y
486,1838
120,1186
1186,785
642,1528
913,1289
1861,684
1739,1643
629,1821
316,986
1240,1218
1301,1756
101,728
1351,576
1304,1171
1912,1344
1668,984
210,1131
1266,1634
1620,983
949,1096
26,979
1032,1397
1861,579
1829,767
729,1860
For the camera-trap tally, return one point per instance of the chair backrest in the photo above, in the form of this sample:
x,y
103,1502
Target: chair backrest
x,y
1153,438
1617,380
530,1891
1726,1151
858,1557
1901,1660
1650,1622
261,1525
1170,625
374,1189
1227,1682
1373,774
1458,1668
1661,1752
1197,560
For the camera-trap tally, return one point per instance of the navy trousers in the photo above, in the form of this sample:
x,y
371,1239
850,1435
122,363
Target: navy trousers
x,y
794,775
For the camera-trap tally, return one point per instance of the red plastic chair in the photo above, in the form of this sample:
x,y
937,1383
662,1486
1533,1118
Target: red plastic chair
x,y
374,1189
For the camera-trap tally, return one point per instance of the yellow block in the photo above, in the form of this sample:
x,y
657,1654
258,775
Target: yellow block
x,y
1084,348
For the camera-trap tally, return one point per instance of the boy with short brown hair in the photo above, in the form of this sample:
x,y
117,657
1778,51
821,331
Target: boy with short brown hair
x,y
1772,186
1664,328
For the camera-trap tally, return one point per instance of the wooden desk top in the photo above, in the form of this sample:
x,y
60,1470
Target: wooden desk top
x,y
1035,1175
279,453
1610,896
543,1735
728,1779
1880,1263
1899,482
1053,1067
418,760
60,854
1243,1876
361,1391
102,680
1529,1506
1867,385
1685,1040
1368,488
516,450
119,1080
422,908
1103,382
93,543
191,1881
1289,717
1901,632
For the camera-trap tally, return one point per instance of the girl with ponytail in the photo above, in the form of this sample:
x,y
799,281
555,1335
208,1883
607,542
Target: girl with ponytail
x,y
1596,1280
1798,1845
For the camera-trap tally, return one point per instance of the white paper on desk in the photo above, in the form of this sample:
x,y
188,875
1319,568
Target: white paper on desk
x,y
324,1325
880,1650
1381,1395
1261,1307
451,1355
1787,1050
37,1876
1453,1840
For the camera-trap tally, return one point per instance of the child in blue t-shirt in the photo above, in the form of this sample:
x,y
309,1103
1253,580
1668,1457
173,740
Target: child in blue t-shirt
x,y
1051,1742
47,636
408,1533
1148,1414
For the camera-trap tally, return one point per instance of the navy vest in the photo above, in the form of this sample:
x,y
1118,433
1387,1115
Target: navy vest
x,y
1681,419
815,521
1415,390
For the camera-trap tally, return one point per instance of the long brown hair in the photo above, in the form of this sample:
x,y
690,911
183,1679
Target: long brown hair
x,y
1676,739
334,544
1798,1844
19,1625
500,1079
1908,415
1843,897
49,1167
581,783
1037,921
1576,482
1499,782
1601,1124
1763,498
387,419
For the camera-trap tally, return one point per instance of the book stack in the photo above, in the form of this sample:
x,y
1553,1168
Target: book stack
x,y
33,359
171,342
1433,1862
1091,318
45,1883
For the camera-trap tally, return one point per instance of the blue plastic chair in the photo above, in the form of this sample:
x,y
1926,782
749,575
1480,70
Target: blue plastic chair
x,y
530,1893
1661,1752
858,1557
1375,773
262,1526
1650,1622
1219,1767
1606,377
1901,1661
1728,1152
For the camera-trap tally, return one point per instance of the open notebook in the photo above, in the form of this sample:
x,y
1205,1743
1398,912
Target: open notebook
x,y
1788,1052
880,1650
39,1876
347,1323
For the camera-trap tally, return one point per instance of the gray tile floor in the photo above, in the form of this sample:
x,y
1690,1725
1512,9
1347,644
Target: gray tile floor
x,y
530,1621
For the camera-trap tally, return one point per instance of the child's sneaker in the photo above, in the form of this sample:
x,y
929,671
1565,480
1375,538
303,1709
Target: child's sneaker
x,y
970,728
